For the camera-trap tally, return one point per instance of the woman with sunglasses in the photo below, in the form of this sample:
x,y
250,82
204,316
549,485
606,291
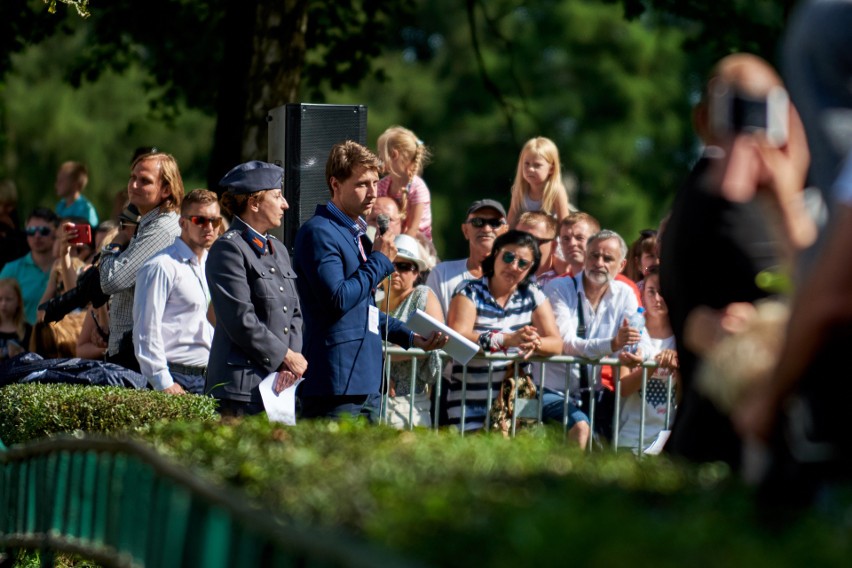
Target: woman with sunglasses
x,y
258,317
503,312
405,295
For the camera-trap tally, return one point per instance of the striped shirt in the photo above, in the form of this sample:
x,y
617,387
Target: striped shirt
x,y
157,230
490,316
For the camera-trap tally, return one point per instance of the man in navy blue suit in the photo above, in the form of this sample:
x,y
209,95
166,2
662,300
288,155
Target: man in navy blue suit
x,y
338,271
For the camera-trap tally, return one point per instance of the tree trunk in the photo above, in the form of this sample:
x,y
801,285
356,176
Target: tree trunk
x,y
267,44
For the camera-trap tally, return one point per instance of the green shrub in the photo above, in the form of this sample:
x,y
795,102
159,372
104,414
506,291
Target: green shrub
x,y
31,411
487,501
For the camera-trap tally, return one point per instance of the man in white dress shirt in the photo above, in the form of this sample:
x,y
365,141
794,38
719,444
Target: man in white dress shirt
x,y
172,334
606,305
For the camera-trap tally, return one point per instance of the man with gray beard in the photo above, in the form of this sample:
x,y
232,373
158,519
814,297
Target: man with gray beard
x,y
592,310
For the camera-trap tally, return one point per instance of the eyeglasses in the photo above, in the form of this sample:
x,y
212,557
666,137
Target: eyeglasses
x,y
43,231
201,220
404,266
510,257
479,222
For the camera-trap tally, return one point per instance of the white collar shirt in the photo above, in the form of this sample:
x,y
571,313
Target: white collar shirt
x,y
170,322
618,302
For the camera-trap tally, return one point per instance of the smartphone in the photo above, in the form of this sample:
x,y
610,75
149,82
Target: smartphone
x,y
733,112
84,235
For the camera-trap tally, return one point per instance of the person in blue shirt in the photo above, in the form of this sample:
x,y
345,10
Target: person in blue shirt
x,y
32,271
71,179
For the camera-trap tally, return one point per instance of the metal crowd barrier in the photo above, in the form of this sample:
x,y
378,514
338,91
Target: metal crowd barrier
x,y
532,408
120,503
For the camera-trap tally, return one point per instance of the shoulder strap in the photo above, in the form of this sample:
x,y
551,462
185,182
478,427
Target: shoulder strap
x,y
581,324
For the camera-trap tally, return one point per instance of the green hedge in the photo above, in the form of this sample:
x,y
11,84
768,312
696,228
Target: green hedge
x,y
32,411
487,501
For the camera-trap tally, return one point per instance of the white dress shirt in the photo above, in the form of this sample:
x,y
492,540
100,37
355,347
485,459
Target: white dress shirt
x,y
170,313
602,325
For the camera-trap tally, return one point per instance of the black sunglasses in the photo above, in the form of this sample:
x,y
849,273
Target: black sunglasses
x,y
480,222
648,233
43,231
201,220
510,257
404,266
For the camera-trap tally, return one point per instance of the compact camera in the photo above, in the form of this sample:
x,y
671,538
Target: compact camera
x,y
733,112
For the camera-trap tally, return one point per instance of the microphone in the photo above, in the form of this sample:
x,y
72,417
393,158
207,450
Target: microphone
x,y
383,223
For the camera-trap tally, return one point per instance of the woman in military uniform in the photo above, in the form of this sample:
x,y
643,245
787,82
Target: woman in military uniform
x,y
258,318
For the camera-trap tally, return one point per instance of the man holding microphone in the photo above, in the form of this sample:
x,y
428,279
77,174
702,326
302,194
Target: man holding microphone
x,y
338,271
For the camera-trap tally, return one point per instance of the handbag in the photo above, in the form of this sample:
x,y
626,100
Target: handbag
x,y
503,408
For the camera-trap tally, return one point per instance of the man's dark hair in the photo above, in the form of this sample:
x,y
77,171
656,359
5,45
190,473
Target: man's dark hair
x,y
46,214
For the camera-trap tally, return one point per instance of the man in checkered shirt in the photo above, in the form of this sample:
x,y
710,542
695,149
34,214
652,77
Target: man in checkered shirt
x,y
156,189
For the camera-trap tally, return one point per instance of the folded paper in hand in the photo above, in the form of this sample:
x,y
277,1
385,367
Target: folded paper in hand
x,y
458,347
280,407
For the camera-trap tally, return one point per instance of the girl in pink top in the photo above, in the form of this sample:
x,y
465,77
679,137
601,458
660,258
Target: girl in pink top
x,y
404,156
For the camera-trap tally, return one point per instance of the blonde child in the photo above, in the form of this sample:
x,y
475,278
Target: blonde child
x,y
404,156
538,182
14,330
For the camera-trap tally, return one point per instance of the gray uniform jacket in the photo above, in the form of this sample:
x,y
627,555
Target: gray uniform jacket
x,y
258,317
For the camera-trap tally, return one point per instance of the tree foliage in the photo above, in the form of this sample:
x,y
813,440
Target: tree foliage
x,y
235,59
476,80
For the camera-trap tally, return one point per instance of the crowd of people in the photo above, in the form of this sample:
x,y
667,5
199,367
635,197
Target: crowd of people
x,y
198,296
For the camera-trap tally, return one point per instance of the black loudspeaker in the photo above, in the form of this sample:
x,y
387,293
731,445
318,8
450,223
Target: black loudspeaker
x,y
300,139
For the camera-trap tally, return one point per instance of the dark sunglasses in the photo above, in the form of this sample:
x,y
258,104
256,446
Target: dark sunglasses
x,y
404,267
648,233
510,257
201,220
479,222
43,231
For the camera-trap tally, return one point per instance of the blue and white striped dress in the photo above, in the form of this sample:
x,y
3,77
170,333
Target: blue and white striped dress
x,y
490,316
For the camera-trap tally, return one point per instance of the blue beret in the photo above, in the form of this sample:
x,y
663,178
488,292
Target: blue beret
x,y
253,176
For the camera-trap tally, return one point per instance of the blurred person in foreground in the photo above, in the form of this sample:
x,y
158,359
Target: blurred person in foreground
x,y
742,204
802,411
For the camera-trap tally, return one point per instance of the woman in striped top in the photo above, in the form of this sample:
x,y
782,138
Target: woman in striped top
x,y
503,312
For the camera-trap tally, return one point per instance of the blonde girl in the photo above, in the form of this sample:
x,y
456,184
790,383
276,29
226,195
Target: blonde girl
x,y
538,182
404,156
14,330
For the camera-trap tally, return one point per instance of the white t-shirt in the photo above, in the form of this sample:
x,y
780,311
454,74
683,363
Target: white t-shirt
x,y
654,401
445,278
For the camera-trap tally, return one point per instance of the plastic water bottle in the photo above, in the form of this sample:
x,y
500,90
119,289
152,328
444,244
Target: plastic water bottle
x,y
636,321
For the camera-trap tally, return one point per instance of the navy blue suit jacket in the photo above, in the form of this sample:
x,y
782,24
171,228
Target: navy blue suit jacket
x,y
336,289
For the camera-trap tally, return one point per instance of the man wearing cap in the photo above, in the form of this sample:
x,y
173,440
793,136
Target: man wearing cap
x,y
486,220
171,332
155,188
258,315
337,280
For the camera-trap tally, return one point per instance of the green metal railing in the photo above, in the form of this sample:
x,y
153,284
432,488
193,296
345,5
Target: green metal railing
x,y
120,503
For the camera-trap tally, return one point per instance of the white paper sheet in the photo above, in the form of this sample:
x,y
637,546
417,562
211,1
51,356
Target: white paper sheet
x,y
458,347
279,407
657,447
